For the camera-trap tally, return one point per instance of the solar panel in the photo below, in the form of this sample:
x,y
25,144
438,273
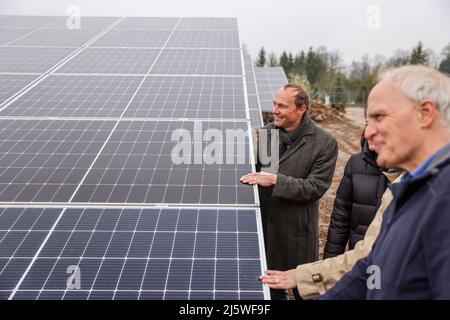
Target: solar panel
x,y
133,38
269,80
76,96
189,97
57,38
204,39
191,61
136,166
115,61
140,254
31,59
10,84
124,162
44,161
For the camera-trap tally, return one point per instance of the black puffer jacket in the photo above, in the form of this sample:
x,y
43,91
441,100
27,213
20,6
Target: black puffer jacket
x,y
357,200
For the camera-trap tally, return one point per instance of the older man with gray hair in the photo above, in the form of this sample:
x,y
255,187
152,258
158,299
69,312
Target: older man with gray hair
x,y
408,123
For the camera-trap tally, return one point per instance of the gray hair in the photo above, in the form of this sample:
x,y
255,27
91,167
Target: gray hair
x,y
419,83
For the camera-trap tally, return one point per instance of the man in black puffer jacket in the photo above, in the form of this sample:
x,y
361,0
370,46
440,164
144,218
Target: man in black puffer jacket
x,y
357,200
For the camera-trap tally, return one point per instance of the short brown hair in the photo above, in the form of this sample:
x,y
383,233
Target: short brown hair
x,y
302,97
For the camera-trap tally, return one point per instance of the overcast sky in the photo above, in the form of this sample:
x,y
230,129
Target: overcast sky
x,y
354,27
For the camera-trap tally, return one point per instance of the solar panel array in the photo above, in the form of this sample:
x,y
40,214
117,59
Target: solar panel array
x,y
88,184
268,81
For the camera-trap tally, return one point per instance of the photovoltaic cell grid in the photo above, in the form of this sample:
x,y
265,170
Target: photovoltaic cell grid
x,y
189,97
158,97
45,161
136,166
76,96
132,253
269,80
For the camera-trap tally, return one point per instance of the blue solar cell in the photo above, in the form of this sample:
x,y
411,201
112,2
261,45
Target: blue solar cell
x,y
249,270
226,271
184,245
203,275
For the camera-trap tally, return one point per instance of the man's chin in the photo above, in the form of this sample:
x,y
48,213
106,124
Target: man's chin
x,y
278,123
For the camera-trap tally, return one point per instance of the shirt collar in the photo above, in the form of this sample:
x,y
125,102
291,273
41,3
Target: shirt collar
x,y
421,168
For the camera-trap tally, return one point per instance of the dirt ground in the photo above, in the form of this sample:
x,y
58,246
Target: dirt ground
x,y
347,133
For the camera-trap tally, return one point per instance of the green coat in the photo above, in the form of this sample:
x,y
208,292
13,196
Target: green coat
x,y
290,209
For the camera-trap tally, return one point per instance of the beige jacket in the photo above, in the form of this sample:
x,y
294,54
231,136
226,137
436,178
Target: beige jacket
x,y
317,277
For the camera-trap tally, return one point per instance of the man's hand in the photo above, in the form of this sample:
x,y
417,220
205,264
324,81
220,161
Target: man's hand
x,y
279,279
264,179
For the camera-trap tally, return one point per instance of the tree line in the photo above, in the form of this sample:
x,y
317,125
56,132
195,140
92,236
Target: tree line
x,y
323,72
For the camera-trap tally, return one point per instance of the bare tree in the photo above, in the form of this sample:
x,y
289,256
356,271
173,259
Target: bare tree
x,y
273,59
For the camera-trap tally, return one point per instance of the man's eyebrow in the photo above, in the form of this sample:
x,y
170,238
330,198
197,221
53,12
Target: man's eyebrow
x,y
375,113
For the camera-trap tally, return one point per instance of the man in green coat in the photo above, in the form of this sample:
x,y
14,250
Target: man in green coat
x,y
289,198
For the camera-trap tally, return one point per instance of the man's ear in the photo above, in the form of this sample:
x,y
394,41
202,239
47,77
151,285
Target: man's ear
x,y
302,109
427,112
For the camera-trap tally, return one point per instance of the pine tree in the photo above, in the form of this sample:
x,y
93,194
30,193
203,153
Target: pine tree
x,y
315,67
261,62
419,55
284,62
290,62
444,66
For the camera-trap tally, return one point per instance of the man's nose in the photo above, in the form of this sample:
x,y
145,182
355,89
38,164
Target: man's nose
x,y
370,131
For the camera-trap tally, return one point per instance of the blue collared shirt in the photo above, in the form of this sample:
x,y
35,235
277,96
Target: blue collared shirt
x,y
420,169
